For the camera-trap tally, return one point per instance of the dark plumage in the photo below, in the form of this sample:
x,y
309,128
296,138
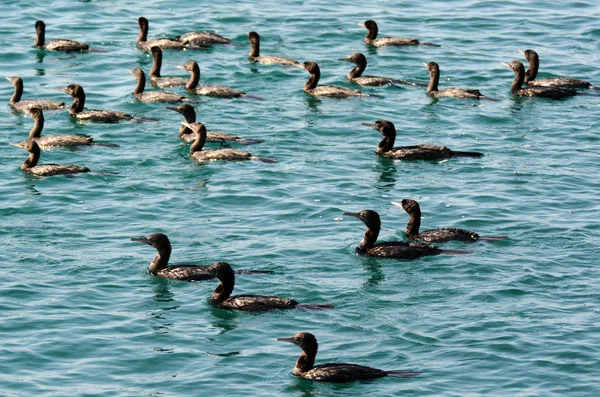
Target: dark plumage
x,y
222,298
48,142
356,76
166,43
392,249
198,152
100,116
217,91
155,76
188,135
203,38
434,79
543,92
329,91
333,372
418,152
371,37
31,164
152,96
531,75
55,45
255,56
159,265
23,105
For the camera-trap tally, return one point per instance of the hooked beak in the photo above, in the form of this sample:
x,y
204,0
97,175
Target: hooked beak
x,y
396,203
16,145
288,340
370,125
62,89
172,108
352,214
179,67
521,51
505,64
141,240
7,78
424,64
362,24
344,59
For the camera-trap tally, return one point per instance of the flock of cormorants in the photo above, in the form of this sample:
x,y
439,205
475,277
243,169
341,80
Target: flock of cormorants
x,y
196,133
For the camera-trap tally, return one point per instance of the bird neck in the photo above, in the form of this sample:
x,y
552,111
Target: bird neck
x,y
16,96
413,225
160,261
312,81
143,36
78,103
156,65
387,143
40,38
141,84
519,79
38,126
532,72
369,239
32,159
255,49
357,71
190,117
306,361
194,78
223,290
199,142
372,35
434,80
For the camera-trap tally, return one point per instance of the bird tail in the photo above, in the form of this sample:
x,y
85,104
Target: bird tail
x,y
264,159
372,95
592,87
467,154
493,238
586,94
250,141
431,44
456,252
315,306
404,82
144,119
403,374
254,97
105,144
249,271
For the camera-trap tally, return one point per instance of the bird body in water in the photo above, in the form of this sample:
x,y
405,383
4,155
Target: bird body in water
x,y
155,77
48,142
371,37
333,372
56,45
102,116
418,152
24,105
31,163
329,91
437,235
391,249
531,74
536,91
203,38
356,76
221,297
163,43
152,96
434,91
188,135
216,91
159,266
198,152
255,56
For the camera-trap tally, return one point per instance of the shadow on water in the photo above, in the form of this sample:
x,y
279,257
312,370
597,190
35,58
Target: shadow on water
x,y
309,388
373,267
386,169
225,320
313,103
33,190
164,303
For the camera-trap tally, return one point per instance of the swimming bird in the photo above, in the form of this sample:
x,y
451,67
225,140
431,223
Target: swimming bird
x,y
329,91
166,43
356,76
101,116
23,105
391,249
530,75
203,38
31,163
333,372
434,79
48,142
188,135
255,56
159,266
227,154
537,91
152,96
371,37
216,91
418,152
55,45
222,298
155,77
437,235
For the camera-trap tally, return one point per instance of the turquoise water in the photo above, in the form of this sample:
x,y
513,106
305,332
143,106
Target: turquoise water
x,y
80,315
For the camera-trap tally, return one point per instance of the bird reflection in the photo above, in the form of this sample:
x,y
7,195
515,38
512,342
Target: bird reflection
x,y
376,274
387,172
